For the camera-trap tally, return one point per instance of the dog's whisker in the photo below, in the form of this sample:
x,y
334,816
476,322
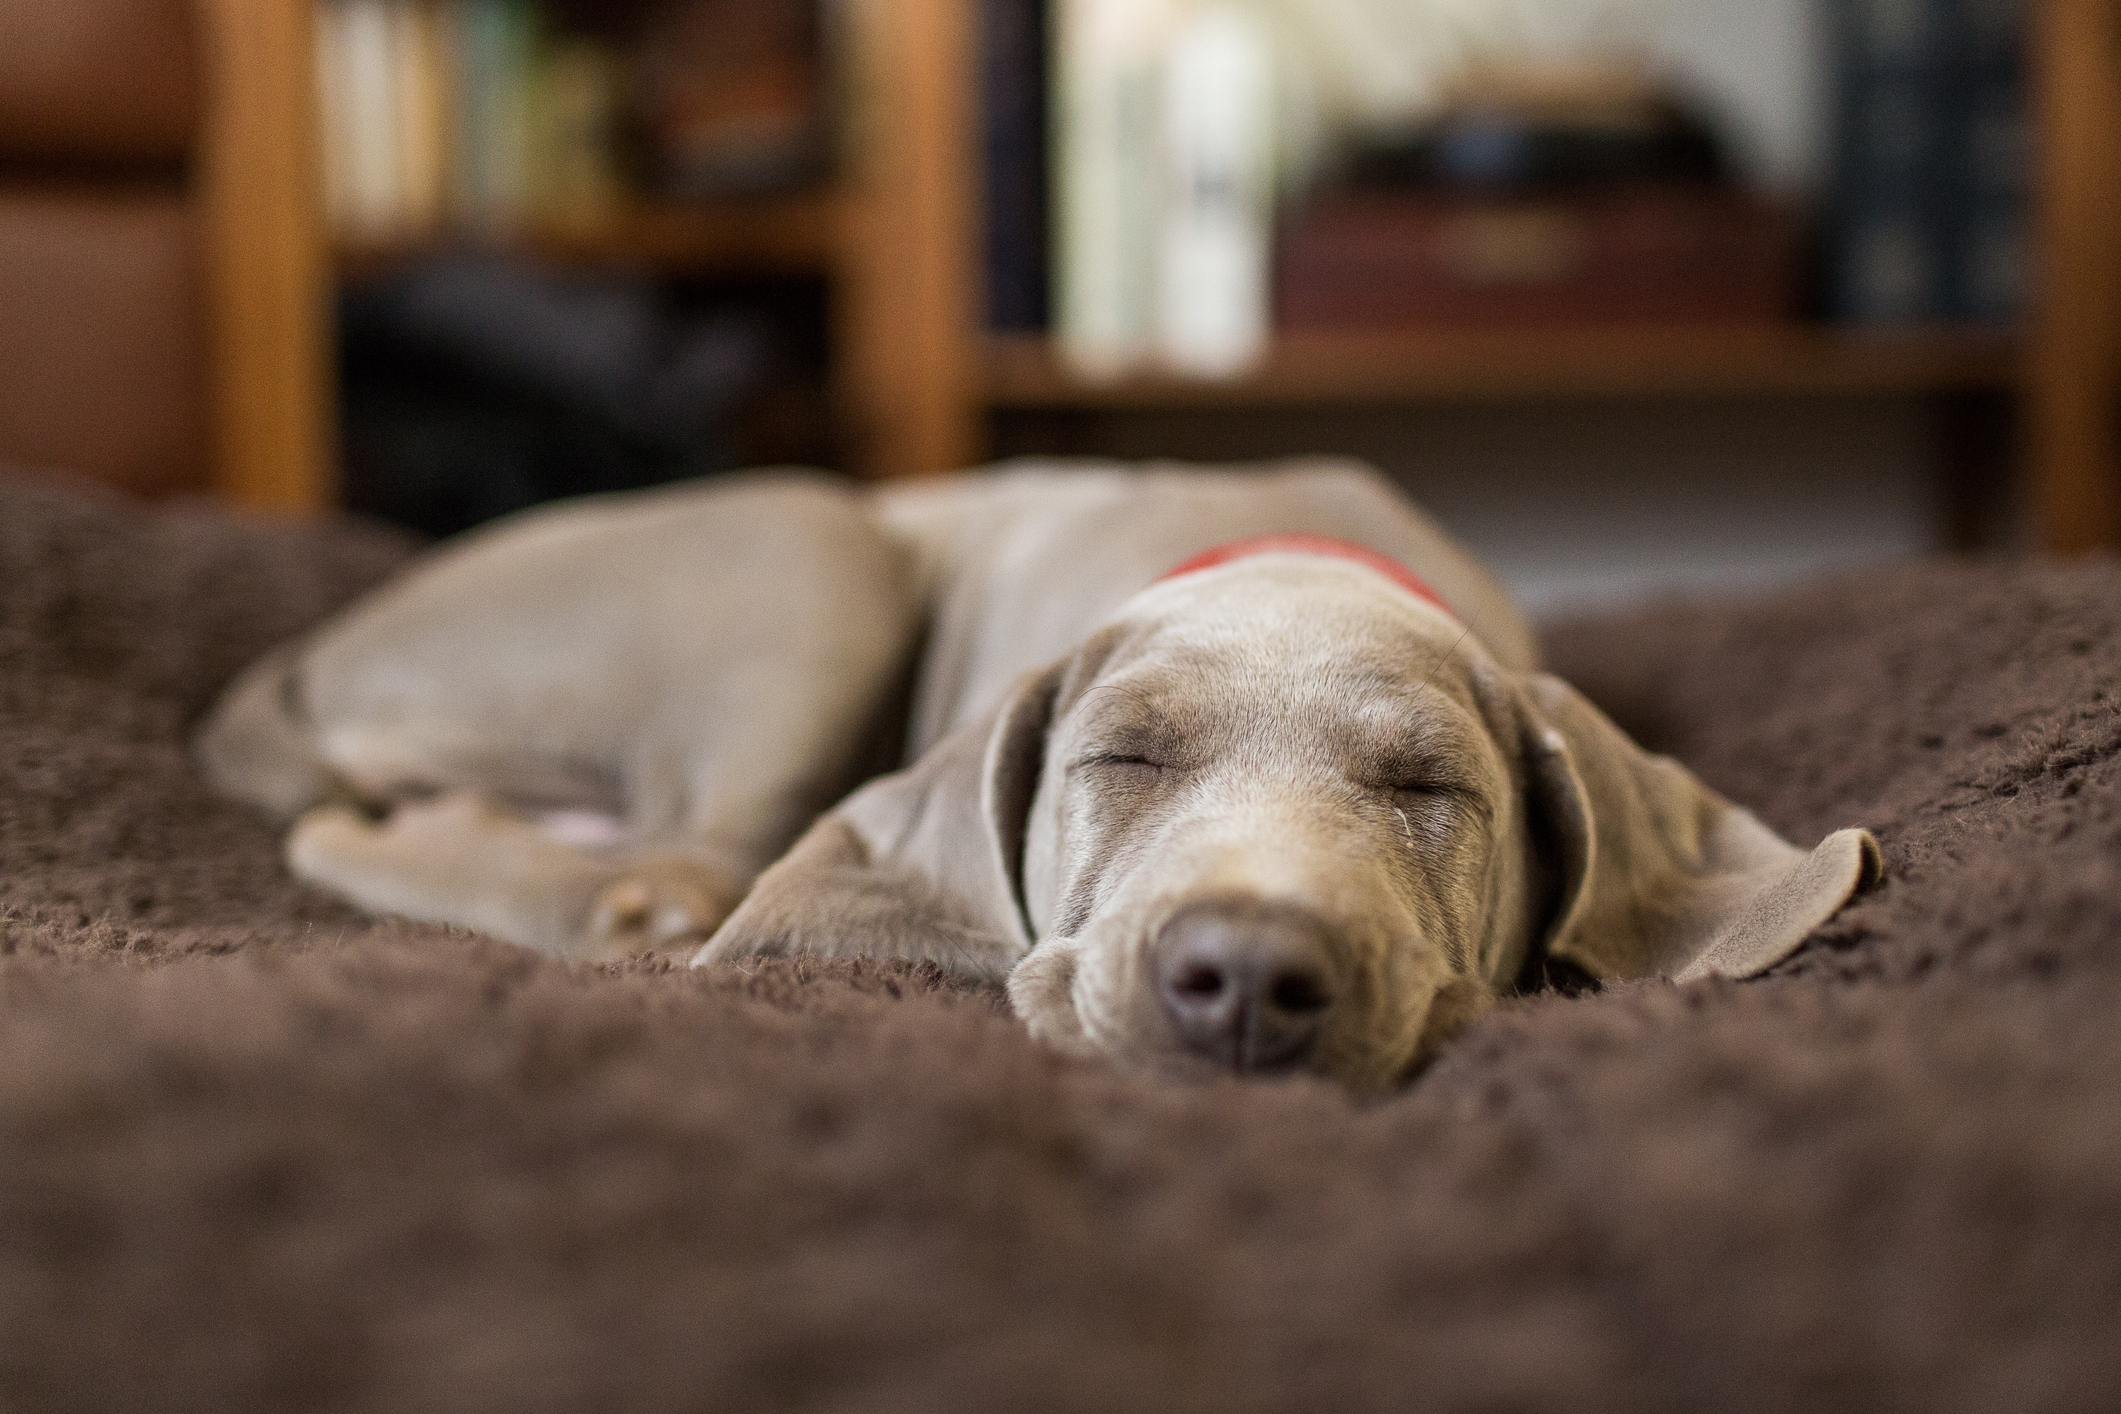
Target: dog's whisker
x,y
1438,667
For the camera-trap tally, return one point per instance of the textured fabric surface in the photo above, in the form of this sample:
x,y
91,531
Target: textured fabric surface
x,y
258,1152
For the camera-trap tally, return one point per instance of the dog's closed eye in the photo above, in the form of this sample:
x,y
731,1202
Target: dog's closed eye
x,y
1426,803
1431,773
1114,760
1412,784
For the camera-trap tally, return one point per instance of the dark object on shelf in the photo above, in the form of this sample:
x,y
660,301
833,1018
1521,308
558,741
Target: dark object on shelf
x,y
474,387
1013,94
1500,147
1933,162
1644,255
731,96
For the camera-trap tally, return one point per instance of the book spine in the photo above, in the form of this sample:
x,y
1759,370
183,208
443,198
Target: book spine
x,y
1932,162
374,190
1013,93
1885,260
1105,172
1216,210
1989,196
457,29
335,118
576,108
497,56
515,170
417,89
443,38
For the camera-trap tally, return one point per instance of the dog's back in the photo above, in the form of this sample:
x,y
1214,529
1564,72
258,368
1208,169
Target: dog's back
x,y
1019,562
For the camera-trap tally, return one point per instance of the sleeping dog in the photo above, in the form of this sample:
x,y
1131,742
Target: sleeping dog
x,y
1247,768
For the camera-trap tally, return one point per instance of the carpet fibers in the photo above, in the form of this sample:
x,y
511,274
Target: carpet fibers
x,y
259,1152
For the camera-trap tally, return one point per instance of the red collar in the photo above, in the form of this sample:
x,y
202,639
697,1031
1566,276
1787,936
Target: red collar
x,y
1298,543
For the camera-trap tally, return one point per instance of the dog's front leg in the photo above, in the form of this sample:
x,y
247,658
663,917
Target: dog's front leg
x,y
662,900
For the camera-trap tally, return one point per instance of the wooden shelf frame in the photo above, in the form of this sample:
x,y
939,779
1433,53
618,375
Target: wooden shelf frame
x,y
265,258
915,376
2073,396
895,235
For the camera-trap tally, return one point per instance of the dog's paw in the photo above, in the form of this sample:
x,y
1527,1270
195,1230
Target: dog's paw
x,y
658,906
327,841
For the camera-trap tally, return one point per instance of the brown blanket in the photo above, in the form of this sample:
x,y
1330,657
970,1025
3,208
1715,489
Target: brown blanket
x,y
256,1151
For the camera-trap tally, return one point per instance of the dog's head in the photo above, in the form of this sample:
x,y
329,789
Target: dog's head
x,y
1285,814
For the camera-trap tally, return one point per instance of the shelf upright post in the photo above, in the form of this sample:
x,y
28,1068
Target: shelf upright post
x,y
2074,393
265,258
907,295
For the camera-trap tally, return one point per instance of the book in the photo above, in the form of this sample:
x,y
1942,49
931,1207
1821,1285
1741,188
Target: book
x,y
1928,217
463,112
577,105
420,103
494,47
1989,255
367,92
731,95
1013,101
334,115
1372,259
1105,182
1214,215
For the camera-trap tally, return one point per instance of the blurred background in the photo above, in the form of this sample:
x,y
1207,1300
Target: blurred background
x,y
1638,295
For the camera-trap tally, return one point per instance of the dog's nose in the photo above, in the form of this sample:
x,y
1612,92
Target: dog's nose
x,y
1247,983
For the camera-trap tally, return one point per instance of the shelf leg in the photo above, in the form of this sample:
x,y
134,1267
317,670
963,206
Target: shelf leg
x,y
265,258
2073,435
908,292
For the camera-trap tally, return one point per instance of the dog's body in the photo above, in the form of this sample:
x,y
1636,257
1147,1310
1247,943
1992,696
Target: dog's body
x,y
1279,811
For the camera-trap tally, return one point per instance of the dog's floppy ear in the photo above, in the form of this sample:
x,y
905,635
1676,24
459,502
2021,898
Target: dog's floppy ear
x,y
1659,875
924,864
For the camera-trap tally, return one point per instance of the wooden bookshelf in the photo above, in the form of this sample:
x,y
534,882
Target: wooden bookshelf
x,y
893,234
1544,364
914,377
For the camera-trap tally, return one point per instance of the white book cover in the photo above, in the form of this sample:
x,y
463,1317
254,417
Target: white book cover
x,y
1215,221
335,119
373,189
1105,175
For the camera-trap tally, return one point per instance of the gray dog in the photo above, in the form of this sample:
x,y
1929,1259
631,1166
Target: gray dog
x,y
1304,803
